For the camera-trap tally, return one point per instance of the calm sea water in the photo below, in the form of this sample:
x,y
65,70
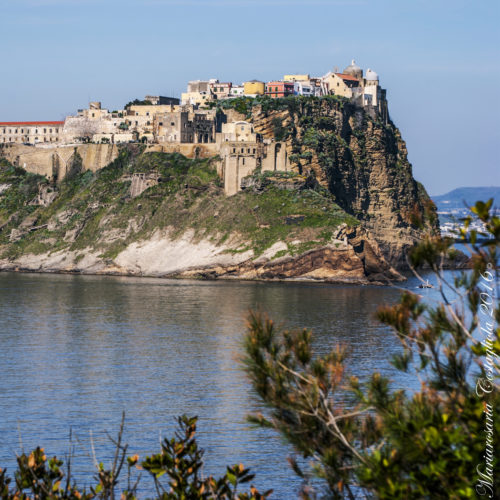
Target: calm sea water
x,y
76,351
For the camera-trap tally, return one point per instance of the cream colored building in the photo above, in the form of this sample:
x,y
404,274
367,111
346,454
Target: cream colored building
x,y
237,132
340,84
196,98
296,78
31,132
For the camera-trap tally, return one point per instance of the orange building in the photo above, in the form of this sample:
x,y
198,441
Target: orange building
x,y
279,89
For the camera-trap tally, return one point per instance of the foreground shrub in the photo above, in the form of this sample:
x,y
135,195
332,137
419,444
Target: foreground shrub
x,y
176,473
366,440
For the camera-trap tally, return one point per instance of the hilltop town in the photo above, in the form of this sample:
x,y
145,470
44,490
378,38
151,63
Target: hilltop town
x,y
195,125
302,178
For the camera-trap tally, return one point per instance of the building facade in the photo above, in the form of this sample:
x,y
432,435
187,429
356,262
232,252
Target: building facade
x,y
31,132
278,89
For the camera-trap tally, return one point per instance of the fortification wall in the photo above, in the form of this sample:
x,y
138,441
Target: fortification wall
x,y
56,162
206,150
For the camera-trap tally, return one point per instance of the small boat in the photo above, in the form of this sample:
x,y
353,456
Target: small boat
x,y
425,285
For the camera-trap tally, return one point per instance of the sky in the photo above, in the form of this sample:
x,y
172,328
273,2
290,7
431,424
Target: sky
x,y
439,61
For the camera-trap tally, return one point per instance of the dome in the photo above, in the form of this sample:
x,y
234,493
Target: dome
x,y
353,69
371,75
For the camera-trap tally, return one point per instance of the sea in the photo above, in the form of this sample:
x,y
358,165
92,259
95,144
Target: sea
x,y
77,352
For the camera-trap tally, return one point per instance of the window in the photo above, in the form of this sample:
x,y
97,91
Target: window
x,y
253,150
16,130
93,114
160,124
36,132
57,130
44,130
50,130
172,124
234,149
243,162
147,114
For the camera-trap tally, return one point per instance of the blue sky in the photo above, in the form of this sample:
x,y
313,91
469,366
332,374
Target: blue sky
x,y
438,60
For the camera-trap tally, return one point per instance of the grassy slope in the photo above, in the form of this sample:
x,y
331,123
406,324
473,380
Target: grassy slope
x,y
98,210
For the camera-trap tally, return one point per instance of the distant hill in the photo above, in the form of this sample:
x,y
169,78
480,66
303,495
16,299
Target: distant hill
x,y
455,200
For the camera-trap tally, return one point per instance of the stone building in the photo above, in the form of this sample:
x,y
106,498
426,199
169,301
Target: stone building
x,y
157,100
220,90
94,124
242,151
198,92
362,90
341,84
31,132
186,125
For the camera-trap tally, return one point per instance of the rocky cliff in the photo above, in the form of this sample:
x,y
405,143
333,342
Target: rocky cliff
x,y
362,161
343,214
162,214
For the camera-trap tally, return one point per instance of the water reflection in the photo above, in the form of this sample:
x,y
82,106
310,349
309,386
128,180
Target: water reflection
x,y
76,351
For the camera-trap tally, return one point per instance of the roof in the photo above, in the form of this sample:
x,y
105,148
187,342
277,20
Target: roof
x,y
347,77
279,82
30,123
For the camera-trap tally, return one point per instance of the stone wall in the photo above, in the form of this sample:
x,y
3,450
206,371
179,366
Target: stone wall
x,y
57,162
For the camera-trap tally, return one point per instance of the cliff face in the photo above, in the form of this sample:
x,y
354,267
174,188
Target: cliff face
x,y
360,160
162,214
343,214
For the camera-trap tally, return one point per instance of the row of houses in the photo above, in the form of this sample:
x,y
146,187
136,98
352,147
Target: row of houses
x,y
350,83
191,119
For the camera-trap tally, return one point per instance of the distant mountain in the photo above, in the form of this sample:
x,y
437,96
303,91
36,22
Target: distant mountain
x,y
458,198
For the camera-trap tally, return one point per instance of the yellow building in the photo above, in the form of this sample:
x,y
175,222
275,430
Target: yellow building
x,y
254,87
296,78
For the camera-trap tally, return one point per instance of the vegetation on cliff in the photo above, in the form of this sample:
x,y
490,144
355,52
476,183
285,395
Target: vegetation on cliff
x,y
96,210
348,167
361,160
